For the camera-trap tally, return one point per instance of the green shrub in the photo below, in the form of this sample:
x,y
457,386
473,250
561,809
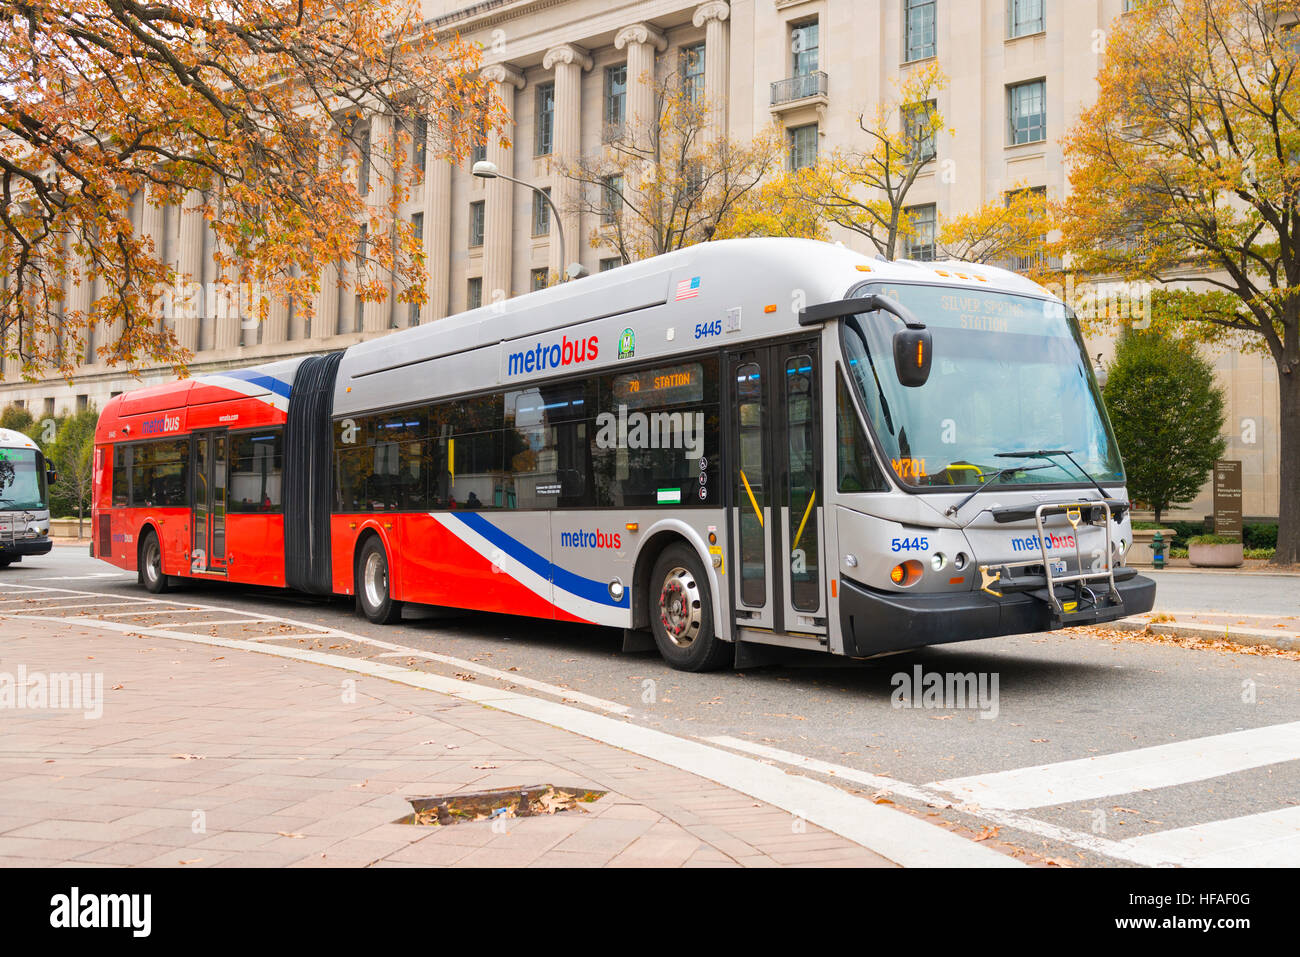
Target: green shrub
x,y
1265,553
1259,535
1212,540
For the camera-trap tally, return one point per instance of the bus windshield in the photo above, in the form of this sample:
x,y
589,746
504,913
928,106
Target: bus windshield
x,y
22,479
1009,373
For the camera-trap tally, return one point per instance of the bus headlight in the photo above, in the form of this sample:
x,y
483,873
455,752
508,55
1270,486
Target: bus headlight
x,y
616,590
937,561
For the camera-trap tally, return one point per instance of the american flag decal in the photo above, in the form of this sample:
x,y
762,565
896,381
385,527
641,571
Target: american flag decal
x,y
687,289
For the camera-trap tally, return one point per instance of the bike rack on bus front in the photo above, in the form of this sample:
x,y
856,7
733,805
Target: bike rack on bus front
x,y
1063,612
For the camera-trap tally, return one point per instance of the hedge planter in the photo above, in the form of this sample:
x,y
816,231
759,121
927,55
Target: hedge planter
x,y
1216,556
1141,554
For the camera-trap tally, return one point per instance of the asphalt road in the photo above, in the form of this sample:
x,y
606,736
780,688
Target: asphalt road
x,y
1059,697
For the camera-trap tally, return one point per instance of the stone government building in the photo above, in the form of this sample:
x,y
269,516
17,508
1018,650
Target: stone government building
x,y
1019,70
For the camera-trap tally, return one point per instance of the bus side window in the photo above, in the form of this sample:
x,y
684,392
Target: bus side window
x,y
121,475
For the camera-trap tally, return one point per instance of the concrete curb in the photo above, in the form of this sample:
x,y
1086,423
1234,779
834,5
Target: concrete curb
x,y
1241,635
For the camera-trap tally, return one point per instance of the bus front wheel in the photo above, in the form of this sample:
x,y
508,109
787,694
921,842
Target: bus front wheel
x,y
373,592
681,612
151,569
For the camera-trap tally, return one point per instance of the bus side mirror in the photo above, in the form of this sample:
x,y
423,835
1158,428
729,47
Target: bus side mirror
x,y
51,476
912,348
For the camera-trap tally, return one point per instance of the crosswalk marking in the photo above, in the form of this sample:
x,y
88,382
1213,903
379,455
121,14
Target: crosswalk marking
x,y
1270,839
1142,769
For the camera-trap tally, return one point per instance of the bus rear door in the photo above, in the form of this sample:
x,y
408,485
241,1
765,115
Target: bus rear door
x,y
209,511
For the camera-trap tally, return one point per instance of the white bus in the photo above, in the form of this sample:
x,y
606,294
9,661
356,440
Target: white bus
x,y
749,443
24,498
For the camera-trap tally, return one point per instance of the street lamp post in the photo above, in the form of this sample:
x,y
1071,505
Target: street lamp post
x,y
485,169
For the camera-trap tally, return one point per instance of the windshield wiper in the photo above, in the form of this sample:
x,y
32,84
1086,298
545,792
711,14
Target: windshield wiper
x,y
1052,453
952,510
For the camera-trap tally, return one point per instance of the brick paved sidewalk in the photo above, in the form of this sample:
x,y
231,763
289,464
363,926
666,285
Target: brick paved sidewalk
x,y
205,757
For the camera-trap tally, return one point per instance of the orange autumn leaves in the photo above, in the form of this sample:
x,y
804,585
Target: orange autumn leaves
x,y
252,114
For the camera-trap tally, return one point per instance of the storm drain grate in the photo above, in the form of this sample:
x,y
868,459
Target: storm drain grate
x,y
498,802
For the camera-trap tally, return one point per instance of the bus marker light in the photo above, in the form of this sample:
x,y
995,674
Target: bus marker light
x,y
957,580
862,267
713,538
770,308
907,573
631,526
833,595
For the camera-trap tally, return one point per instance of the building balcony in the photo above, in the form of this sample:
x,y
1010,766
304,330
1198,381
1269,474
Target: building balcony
x,y
801,90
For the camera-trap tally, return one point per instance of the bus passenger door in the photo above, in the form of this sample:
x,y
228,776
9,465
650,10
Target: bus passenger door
x,y
208,553
797,445
749,387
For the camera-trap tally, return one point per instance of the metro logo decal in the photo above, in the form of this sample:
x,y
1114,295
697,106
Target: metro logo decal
x,y
161,424
554,356
1030,543
596,539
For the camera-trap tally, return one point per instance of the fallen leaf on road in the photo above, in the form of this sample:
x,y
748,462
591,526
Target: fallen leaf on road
x,y
986,833
290,834
192,860
1039,740
188,757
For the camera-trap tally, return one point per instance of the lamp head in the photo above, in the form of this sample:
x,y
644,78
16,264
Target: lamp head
x,y
485,169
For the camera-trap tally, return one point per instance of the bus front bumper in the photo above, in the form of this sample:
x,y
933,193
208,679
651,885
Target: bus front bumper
x,y
16,549
874,622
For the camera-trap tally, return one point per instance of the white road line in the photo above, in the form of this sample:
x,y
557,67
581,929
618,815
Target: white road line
x,y
156,611
88,604
1120,850
219,621
76,578
1270,839
1142,769
897,836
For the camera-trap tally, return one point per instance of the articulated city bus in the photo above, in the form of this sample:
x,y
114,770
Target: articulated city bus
x,y
740,444
25,478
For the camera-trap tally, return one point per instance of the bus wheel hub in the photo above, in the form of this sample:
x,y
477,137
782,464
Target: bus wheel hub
x,y
680,607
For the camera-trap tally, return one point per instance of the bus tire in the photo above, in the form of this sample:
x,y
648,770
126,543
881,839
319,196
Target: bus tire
x,y
681,612
151,569
374,596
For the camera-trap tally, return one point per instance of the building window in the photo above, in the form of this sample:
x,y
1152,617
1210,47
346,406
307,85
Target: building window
x,y
803,146
544,125
363,164
1039,256
918,29
476,214
916,128
693,72
804,48
541,213
420,147
611,199
615,100
1027,111
1025,17
474,293
612,262
920,245
478,152
538,279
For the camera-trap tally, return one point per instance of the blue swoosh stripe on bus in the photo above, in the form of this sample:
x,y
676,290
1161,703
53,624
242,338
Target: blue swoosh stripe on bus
x,y
588,588
270,383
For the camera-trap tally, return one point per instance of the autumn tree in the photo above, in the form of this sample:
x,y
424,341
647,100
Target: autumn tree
x,y
865,190
775,208
247,112
72,454
671,181
1186,164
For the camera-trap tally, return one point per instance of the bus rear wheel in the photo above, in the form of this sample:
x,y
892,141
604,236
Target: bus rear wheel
x,y
373,592
681,612
151,569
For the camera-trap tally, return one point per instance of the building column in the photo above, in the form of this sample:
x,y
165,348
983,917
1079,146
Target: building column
x,y
80,293
713,17
151,228
568,61
190,272
376,315
498,226
642,42
437,232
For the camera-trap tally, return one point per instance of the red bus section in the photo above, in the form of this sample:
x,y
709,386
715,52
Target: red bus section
x,y
193,468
